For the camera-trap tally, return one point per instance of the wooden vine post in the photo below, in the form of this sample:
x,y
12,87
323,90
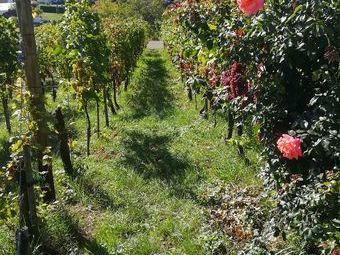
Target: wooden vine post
x,y
110,103
106,107
28,227
23,235
64,148
36,102
4,99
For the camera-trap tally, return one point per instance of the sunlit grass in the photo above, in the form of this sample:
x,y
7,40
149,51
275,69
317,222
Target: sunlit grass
x,y
48,16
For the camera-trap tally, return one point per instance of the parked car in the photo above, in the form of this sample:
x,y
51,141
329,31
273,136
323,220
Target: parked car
x,y
58,1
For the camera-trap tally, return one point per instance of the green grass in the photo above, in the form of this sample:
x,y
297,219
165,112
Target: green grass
x,y
139,191
51,16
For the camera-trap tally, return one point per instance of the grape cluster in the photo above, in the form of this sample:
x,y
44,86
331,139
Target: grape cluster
x,y
214,78
213,75
186,66
235,81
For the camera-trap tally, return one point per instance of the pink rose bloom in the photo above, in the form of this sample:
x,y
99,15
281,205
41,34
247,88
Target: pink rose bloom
x,y
290,147
250,7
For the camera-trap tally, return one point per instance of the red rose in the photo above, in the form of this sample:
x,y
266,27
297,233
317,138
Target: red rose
x,y
250,7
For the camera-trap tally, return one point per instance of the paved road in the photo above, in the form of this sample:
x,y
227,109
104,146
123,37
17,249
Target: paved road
x,y
155,45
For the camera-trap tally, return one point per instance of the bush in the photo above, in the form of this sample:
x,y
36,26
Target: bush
x,y
279,71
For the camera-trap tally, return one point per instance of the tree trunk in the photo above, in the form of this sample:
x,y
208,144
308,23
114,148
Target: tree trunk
x,y
88,130
23,235
10,90
231,124
240,148
109,99
42,83
28,228
32,211
196,106
54,90
48,187
36,102
106,111
204,110
115,95
98,118
64,148
22,242
189,90
6,113
127,82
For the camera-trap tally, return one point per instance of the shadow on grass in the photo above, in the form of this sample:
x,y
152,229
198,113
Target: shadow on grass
x,y
100,197
149,156
71,240
150,93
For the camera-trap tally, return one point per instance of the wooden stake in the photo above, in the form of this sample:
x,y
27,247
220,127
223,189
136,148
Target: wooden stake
x,y
36,104
64,148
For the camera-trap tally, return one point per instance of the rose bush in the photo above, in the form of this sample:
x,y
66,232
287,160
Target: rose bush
x,y
286,81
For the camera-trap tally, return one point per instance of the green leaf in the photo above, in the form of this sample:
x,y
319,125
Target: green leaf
x,y
212,27
296,10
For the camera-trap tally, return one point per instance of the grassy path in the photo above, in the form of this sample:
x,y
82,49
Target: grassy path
x,y
140,190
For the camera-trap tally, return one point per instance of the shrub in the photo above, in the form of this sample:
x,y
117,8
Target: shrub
x,y
290,62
